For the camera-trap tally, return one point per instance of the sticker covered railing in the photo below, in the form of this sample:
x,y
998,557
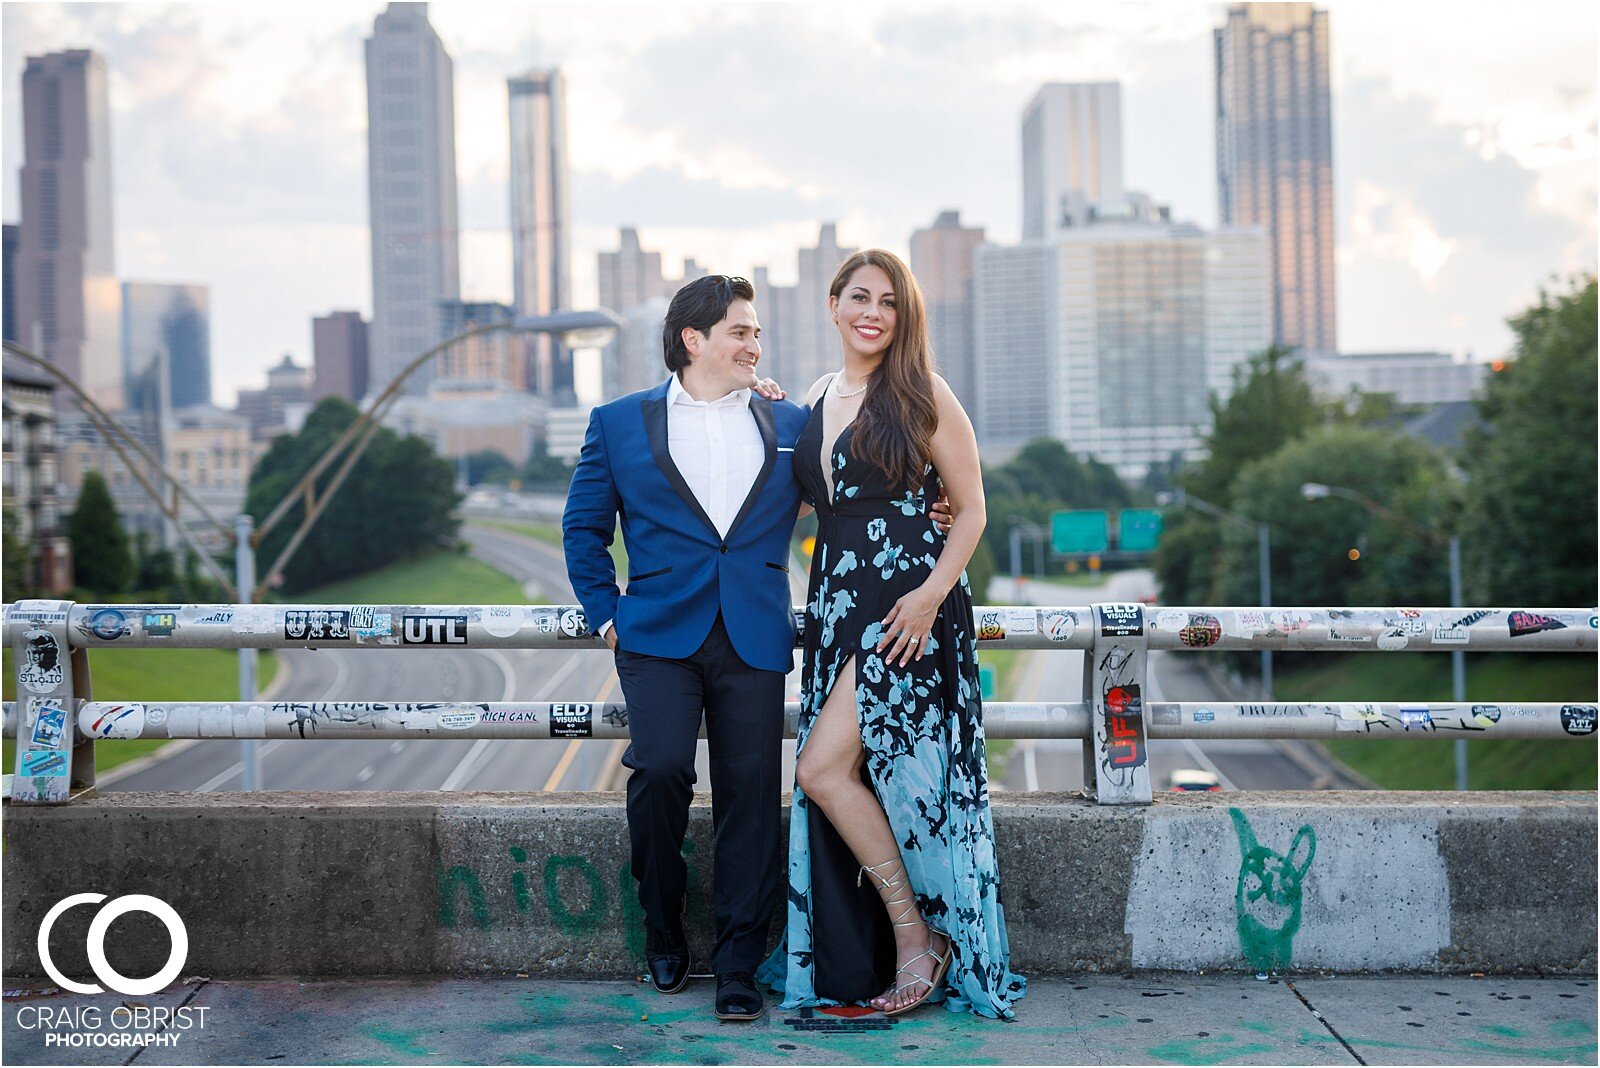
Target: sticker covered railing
x,y
56,721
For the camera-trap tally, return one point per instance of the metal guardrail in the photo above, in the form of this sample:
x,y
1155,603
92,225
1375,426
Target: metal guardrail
x,y
57,722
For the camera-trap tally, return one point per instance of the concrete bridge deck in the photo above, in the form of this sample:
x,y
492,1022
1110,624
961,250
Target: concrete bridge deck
x,y
1135,1019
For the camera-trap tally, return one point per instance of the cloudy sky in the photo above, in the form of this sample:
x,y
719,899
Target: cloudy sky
x,y
1465,141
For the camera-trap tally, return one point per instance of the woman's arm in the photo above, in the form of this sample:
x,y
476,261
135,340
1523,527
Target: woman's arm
x,y
812,396
955,455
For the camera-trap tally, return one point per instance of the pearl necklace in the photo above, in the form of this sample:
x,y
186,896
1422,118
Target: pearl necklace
x,y
854,392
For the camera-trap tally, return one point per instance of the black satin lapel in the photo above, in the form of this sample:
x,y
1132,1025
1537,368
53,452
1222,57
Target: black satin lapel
x,y
761,409
655,431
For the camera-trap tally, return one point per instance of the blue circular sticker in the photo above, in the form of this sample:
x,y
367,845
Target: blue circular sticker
x,y
108,624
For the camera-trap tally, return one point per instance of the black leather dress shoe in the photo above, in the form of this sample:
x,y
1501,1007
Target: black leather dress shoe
x,y
738,998
669,969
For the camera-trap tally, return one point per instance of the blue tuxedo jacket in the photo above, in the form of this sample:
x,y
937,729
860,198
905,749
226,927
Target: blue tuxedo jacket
x,y
681,572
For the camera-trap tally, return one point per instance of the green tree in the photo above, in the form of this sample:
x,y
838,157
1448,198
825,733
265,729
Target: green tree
x,y
488,465
980,569
17,560
1272,402
398,500
1043,478
1402,560
544,470
100,554
158,569
1528,532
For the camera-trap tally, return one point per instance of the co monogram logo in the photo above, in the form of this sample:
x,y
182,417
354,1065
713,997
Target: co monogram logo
x,y
96,946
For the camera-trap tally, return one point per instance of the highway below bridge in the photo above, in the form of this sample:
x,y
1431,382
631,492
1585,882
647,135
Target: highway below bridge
x,y
595,764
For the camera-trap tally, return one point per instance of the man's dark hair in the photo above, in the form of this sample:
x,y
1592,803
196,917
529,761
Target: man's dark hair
x,y
701,304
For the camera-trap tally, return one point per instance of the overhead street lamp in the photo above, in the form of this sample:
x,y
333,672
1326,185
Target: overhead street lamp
x,y
1315,491
577,329
1183,499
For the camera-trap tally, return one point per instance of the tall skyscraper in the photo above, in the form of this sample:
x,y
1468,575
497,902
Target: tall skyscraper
x,y
941,258
67,293
1071,152
809,345
1111,336
8,280
174,321
541,262
339,356
1275,158
411,172
631,275
631,285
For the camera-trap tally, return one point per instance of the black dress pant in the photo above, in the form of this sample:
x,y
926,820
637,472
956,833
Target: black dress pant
x,y
743,710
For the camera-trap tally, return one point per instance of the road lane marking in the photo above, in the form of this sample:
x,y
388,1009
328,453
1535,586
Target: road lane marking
x,y
464,770
571,753
1030,686
507,672
1205,762
459,774
237,768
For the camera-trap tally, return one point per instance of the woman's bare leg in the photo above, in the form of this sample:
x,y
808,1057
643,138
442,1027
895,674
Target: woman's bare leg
x,y
829,771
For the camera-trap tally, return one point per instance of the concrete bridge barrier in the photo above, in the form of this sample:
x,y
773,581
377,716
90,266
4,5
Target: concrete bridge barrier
x,y
352,884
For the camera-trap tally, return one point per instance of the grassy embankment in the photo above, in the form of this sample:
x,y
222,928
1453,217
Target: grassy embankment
x,y
1408,764
437,578
152,675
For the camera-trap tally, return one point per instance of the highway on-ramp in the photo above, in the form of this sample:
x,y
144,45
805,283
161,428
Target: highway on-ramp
x,y
422,675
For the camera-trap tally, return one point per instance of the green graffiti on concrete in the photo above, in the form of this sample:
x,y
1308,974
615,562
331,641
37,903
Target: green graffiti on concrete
x,y
1267,905
586,922
576,895
459,875
519,880
632,911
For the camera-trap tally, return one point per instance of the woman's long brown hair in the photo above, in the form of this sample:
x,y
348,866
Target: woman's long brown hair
x,y
894,431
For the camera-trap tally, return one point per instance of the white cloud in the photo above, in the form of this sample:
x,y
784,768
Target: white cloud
x,y
1464,155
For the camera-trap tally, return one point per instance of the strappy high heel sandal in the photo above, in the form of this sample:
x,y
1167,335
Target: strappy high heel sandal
x,y
899,882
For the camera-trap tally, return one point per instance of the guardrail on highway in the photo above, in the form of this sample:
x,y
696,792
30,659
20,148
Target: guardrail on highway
x,y
57,723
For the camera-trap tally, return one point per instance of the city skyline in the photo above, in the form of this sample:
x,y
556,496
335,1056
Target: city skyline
x,y
1464,157
411,176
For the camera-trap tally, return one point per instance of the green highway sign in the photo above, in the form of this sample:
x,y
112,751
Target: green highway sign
x,y
1138,530
1079,532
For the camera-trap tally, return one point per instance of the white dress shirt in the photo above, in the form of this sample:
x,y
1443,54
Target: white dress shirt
x,y
717,449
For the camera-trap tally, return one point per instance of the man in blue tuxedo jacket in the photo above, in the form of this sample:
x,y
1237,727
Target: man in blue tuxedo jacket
x,y
699,470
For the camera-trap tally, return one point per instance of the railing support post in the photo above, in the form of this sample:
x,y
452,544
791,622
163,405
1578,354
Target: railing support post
x,y
1458,661
82,744
47,721
1117,753
244,580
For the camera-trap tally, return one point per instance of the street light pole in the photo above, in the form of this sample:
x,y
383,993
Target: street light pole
x,y
1312,491
1458,661
1183,498
244,563
1264,558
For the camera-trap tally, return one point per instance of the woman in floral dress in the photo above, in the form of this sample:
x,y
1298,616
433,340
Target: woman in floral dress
x,y
894,889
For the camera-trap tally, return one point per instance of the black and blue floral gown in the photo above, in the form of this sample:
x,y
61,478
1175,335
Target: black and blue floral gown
x,y
922,730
